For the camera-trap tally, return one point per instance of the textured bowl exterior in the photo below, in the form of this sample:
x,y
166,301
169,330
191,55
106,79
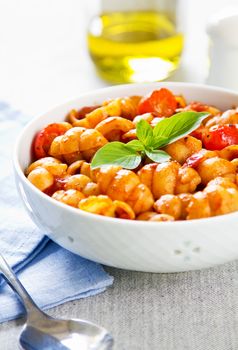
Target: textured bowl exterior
x,y
142,246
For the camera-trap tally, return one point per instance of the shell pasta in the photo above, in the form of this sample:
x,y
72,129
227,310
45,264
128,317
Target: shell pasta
x,y
192,176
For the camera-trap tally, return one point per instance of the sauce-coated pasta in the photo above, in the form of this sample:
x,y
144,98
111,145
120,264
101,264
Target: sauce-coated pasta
x,y
199,181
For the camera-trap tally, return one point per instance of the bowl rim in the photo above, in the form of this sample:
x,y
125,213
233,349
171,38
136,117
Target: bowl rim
x,y
101,218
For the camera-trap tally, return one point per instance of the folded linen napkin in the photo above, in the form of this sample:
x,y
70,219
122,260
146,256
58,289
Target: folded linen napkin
x,y
51,274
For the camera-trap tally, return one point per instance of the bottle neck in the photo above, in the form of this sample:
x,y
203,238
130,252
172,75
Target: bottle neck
x,y
138,5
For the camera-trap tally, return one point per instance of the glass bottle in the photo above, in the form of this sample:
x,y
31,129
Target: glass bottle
x,y
135,40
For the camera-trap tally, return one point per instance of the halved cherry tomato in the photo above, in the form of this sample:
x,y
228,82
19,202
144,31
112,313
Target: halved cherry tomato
x,y
199,132
194,160
197,107
162,102
220,136
44,138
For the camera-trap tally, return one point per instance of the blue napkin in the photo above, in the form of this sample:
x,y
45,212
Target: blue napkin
x,y
51,274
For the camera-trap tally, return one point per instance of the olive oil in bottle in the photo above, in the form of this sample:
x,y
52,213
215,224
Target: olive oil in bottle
x,y
134,46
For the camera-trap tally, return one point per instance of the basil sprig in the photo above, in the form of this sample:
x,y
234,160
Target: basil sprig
x,y
149,142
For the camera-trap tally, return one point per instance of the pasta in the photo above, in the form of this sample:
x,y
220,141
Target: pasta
x,y
113,127
124,185
77,143
200,179
182,149
169,178
125,107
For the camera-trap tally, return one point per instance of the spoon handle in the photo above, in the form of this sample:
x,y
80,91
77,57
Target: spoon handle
x,y
16,285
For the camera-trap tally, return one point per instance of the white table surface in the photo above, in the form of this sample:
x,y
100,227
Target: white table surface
x,y
44,62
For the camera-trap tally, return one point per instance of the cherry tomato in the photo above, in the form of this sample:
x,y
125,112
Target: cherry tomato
x,y
197,107
194,160
220,136
199,132
44,138
162,102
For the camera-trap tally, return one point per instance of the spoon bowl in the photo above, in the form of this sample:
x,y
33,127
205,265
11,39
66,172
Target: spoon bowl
x,y
51,333
43,332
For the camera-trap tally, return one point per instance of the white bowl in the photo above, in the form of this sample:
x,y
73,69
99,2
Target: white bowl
x,y
135,245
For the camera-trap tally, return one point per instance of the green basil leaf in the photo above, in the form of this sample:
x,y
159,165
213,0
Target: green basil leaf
x,y
136,145
144,132
174,128
116,153
158,156
157,142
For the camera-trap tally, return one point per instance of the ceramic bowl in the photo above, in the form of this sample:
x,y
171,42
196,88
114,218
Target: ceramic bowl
x,y
135,245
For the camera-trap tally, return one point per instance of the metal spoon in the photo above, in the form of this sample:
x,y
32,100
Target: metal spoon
x,y
42,331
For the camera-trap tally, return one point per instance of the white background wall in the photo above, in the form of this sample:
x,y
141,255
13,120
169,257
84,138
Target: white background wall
x,y
43,55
